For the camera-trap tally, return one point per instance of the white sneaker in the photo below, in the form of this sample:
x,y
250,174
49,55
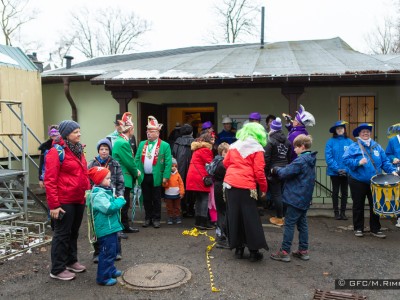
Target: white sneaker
x,y
398,223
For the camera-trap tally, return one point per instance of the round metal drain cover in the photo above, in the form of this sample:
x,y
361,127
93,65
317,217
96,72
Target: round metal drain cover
x,y
155,276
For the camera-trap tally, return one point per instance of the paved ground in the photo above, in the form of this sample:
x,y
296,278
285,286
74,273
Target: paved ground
x,y
335,253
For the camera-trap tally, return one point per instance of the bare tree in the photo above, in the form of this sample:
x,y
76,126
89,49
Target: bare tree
x,y
106,31
238,19
64,46
13,16
385,38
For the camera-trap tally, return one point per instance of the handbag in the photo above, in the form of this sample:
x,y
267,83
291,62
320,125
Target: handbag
x,y
207,180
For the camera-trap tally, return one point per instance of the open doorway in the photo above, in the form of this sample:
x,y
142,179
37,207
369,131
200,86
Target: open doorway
x,y
194,114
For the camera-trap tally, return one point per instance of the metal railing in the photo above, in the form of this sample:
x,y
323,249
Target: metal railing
x,y
14,187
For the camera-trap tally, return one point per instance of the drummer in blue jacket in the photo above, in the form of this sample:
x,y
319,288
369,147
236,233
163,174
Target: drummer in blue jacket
x,y
364,159
393,150
334,150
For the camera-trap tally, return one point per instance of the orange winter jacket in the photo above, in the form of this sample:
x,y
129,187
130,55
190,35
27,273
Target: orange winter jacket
x,y
174,185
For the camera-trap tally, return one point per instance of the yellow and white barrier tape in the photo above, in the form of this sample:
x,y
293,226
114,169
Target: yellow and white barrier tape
x,y
195,232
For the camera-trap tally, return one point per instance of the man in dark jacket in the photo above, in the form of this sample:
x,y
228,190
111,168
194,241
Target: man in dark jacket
x,y
183,154
277,154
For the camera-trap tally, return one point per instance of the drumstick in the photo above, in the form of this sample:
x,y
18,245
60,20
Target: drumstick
x,y
361,147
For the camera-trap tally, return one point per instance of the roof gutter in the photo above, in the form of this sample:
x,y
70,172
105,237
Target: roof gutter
x,y
67,93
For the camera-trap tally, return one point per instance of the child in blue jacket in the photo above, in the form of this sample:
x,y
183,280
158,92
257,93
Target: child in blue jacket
x,y
299,177
105,211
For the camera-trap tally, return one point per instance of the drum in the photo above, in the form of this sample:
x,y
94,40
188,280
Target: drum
x,y
385,191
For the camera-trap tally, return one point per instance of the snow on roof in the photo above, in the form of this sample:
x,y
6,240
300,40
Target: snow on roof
x,y
5,59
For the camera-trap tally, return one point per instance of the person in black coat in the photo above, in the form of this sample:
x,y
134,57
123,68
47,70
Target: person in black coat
x,y
277,154
183,154
44,148
218,176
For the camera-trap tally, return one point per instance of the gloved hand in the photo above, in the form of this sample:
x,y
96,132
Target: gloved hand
x,y
274,171
342,172
288,118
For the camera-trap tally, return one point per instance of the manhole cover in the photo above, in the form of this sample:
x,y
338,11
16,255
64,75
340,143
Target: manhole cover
x,y
155,276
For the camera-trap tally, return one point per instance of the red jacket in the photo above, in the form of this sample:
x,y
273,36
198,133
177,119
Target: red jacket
x,y
244,165
66,181
202,155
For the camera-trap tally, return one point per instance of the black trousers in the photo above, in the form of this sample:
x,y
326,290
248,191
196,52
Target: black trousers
x,y
360,190
275,187
64,246
151,198
125,208
339,183
244,223
220,205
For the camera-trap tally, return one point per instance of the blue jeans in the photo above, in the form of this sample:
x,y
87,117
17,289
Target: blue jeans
x,y
108,251
295,216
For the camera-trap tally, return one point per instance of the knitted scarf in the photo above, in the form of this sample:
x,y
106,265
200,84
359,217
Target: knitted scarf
x,y
77,149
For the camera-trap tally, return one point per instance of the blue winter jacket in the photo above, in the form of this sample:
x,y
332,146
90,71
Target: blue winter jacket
x,y
299,180
106,210
393,148
364,173
227,137
334,150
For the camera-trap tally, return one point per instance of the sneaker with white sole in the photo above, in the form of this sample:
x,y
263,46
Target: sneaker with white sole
x,y
398,223
76,268
358,233
302,254
378,234
64,275
281,255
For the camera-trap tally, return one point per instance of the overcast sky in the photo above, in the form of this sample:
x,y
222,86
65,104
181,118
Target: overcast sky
x,y
181,23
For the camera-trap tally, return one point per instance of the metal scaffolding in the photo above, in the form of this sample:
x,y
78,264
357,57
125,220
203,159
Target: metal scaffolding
x,y
17,201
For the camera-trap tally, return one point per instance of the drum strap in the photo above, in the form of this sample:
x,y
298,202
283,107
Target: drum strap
x,y
369,156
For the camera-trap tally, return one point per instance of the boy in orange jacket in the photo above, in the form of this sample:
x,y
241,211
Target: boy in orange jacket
x,y
174,192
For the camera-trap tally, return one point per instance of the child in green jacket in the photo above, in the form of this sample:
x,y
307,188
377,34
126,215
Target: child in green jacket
x,y
105,211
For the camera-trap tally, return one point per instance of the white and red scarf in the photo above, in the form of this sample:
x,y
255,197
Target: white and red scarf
x,y
155,159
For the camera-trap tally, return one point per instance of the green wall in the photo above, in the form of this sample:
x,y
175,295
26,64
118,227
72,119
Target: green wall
x,y
97,108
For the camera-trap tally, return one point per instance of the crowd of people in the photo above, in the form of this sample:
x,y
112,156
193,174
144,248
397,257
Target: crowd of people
x,y
217,178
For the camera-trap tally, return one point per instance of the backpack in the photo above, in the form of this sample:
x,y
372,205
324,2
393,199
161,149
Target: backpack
x,y
212,166
61,156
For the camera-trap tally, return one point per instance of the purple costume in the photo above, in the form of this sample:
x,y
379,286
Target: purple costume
x,y
293,133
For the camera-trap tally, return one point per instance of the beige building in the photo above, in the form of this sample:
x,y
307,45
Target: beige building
x,y
20,81
198,84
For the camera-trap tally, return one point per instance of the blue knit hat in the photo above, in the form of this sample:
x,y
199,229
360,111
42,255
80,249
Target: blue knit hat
x,y
104,142
66,127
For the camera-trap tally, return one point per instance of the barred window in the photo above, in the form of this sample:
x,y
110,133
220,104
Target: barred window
x,y
356,110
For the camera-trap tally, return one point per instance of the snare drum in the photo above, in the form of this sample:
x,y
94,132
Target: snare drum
x,y
385,191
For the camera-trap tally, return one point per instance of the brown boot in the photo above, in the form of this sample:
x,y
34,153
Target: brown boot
x,y
277,221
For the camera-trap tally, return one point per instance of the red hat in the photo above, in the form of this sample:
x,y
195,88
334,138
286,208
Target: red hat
x,y
97,174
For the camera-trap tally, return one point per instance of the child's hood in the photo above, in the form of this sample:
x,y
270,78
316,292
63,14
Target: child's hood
x,y
310,158
98,190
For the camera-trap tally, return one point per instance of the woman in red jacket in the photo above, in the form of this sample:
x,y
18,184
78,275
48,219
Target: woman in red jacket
x,y
244,165
202,155
66,181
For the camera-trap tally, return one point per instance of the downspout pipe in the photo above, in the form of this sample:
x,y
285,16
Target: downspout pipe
x,y
67,93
